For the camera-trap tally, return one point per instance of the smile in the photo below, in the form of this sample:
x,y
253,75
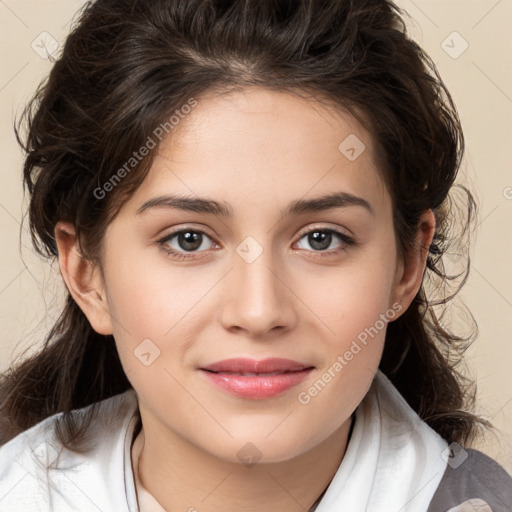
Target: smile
x,y
256,385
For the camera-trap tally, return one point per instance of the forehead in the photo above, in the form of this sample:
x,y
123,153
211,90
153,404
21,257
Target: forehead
x,y
258,145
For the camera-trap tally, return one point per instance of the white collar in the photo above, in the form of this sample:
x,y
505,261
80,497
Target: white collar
x,y
393,460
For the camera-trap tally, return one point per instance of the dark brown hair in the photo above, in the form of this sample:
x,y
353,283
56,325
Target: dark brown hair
x,y
129,64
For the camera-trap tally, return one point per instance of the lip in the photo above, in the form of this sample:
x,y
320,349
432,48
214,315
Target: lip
x,y
276,375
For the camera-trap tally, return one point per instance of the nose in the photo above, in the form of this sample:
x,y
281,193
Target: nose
x,y
257,300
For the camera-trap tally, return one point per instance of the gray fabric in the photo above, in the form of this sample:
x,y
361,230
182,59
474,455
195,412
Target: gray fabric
x,y
478,476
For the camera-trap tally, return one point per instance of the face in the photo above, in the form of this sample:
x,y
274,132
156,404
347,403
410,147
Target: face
x,y
187,288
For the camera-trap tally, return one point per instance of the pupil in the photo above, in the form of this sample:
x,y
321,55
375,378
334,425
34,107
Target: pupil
x,y
320,237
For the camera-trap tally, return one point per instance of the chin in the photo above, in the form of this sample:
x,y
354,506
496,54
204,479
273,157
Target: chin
x,y
249,451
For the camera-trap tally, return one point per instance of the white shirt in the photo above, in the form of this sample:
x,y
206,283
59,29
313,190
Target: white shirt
x,y
394,461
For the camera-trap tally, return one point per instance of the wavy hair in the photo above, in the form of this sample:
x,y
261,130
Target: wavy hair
x,y
127,65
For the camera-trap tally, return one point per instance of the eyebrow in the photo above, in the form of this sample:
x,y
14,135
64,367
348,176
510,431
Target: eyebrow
x,y
298,207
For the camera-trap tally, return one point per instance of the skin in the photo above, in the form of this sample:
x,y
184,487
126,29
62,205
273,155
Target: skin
x,y
257,151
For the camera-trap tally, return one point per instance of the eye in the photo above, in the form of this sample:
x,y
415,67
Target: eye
x,y
320,239
181,243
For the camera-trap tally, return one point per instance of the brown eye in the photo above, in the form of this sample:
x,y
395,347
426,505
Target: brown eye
x,y
320,240
184,241
189,240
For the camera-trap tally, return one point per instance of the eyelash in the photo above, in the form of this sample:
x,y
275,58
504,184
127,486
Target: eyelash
x,y
179,255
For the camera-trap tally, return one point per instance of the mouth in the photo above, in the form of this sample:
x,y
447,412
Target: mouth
x,y
251,374
252,379
241,365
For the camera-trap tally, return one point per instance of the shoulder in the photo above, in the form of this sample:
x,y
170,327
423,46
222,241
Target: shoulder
x,y
472,481
32,463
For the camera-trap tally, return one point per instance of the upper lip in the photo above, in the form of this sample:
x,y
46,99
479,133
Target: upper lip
x,y
270,365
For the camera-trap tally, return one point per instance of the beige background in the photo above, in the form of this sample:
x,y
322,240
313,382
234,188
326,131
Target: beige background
x,y
480,80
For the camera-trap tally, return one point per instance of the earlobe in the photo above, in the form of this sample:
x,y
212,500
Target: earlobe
x,y
410,272
83,279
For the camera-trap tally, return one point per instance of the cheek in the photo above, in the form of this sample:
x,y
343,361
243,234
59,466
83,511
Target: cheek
x,y
156,309
147,294
351,357
352,297
354,308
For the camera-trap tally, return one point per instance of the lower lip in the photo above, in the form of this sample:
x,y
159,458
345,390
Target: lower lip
x,y
257,388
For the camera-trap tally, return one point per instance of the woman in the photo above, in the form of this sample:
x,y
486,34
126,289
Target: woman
x,y
246,201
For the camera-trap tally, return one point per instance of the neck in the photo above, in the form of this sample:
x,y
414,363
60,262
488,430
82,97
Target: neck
x,y
180,476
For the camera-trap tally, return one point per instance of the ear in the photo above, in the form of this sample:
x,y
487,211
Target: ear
x,y
83,279
409,273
